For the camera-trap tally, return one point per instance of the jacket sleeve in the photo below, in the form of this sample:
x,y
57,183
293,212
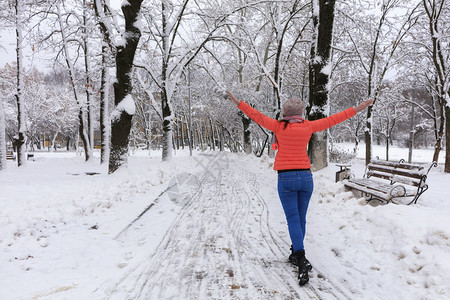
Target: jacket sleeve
x,y
325,123
261,119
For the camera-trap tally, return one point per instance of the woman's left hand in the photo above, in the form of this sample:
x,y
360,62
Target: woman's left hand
x,y
233,98
364,105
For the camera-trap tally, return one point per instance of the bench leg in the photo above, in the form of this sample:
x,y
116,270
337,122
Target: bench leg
x,y
420,191
370,197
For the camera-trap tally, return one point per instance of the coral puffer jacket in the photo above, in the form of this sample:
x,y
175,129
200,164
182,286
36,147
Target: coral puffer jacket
x,y
293,141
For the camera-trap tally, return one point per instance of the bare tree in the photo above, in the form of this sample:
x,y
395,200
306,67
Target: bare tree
x,y
375,49
103,13
19,140
169,52
124,57
265,50
390,112
440,57
86,28
83,128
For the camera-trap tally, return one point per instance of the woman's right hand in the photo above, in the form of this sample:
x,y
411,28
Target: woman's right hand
x,y
233,98
363,105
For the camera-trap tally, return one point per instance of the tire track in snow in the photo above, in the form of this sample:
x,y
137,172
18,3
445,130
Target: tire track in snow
x,y
220,246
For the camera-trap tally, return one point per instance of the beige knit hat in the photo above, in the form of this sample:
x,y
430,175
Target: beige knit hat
x,y
293,106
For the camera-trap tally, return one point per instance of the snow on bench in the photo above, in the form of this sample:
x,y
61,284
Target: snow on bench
x,y
385,181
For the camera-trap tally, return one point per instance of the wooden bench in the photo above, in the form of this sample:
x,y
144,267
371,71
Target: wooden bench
x,y
385,180
10,155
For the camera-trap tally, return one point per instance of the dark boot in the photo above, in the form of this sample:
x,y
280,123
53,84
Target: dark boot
x,y
303,276
293,260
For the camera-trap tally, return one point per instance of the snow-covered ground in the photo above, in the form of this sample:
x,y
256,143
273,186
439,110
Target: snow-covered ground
x,y
213,229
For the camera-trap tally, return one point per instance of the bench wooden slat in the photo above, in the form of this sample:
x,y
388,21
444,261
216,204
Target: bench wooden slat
x,y
402,165
378,174
407,180
375,193
395,178
391,170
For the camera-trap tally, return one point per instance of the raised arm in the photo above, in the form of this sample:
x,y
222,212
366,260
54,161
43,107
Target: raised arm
x,y
253,114
325,123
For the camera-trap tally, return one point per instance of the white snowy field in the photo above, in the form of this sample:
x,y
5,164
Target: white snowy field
x,y
214,229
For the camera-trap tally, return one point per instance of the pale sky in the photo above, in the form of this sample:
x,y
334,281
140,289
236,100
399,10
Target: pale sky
x,y
8,48
8,52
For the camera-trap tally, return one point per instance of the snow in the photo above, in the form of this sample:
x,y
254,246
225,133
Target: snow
x,y
315,109
318,59
127,104
139,25
215,230
327,69
315,8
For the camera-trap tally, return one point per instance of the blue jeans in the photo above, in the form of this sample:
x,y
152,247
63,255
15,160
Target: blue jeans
x,y
295,189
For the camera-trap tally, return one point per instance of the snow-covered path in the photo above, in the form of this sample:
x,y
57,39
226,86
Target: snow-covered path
x,y
212,250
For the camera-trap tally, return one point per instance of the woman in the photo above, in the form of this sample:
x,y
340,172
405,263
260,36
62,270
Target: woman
x,y
295,182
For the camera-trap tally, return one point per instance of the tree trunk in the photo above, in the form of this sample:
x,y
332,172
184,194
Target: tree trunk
x,y
439,132
438,147
318,80
201,136
434,11
83,134
121,125
368,135
447,140
167,124
165,100
213,136
173,142
222,138
2,137
356,138
104,100
183,128
355,148
179,133
88,84
20,138
247,136
411,134
387,148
